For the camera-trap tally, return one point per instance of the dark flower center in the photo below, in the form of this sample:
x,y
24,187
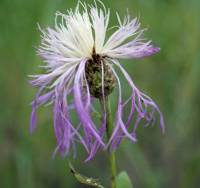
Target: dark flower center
x,y
93,71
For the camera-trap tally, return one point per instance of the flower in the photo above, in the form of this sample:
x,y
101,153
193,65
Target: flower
x,y
81,66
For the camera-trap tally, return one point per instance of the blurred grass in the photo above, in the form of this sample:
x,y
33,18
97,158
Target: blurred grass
x,y
171,78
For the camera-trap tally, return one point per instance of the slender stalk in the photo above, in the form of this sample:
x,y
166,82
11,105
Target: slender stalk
x,y
112,158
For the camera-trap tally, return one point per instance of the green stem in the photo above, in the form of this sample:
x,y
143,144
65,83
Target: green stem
x,y
112,158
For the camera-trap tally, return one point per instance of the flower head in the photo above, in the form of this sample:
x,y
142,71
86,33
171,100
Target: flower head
x,y
81,66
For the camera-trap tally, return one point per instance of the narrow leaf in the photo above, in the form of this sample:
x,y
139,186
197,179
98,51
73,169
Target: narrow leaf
x,y
83,179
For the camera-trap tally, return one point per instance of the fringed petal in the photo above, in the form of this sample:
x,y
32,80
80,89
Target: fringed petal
x,y
100,21
142,107
96,146
127,42
91,133
120,125
38,101
141,101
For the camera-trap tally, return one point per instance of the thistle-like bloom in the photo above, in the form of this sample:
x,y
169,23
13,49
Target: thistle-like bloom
x,y
82,66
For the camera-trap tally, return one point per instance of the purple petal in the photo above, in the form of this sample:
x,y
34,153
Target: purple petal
x,y
82,111
142,98
97,145
119,122
33,119
39,100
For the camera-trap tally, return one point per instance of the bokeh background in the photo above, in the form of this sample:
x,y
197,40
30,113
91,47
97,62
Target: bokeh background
x,y
171,78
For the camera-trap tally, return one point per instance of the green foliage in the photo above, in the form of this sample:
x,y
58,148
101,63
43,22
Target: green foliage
x,y
123,181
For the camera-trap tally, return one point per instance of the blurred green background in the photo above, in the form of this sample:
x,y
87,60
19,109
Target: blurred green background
x,y
171,78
